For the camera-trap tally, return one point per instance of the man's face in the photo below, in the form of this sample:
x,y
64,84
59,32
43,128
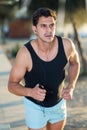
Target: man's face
x,y
45,28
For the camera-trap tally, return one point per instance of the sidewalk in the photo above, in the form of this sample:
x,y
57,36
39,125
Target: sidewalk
x,y
11,106
11,109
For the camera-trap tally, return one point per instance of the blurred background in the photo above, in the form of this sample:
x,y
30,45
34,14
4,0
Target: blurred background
x,y
15,22
15,31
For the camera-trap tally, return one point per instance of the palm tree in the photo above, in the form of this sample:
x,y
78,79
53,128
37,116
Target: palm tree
x,y
60,15
77,15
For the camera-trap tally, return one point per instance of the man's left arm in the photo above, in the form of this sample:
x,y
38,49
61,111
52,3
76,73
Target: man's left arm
x,y
73,70
73,73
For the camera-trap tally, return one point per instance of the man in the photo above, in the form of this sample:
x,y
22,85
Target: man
x,y
41,62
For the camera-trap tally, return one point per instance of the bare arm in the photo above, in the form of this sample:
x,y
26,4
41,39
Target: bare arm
x,y
17,73
73,71
22,64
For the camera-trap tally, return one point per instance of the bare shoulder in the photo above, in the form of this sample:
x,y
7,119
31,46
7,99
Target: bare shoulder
x,y
23,59
22,53
68,43
69,47
21,65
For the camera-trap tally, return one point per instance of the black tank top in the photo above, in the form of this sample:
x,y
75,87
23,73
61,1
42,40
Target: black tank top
x,y
50,74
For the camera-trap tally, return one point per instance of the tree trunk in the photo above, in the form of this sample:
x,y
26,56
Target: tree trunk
x,y
83,59
60,16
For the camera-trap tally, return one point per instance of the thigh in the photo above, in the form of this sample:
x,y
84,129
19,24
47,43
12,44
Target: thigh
x,y
57,113
34,116
56,126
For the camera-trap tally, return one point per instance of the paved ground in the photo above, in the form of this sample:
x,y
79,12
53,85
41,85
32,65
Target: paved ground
x,y
11,106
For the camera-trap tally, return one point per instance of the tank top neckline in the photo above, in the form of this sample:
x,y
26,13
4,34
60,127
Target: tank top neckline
x,y
53,59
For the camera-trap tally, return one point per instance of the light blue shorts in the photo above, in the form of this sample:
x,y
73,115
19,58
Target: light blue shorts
x,y
38,116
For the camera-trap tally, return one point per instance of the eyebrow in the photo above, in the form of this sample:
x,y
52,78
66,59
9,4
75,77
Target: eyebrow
x,y
46,24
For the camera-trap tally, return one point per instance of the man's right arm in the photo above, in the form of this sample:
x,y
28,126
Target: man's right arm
x,y
17,73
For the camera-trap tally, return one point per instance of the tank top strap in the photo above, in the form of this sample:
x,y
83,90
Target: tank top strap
x,y
61,47
30,49
28,46
60,43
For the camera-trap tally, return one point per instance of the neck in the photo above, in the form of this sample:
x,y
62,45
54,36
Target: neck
x,y
43,46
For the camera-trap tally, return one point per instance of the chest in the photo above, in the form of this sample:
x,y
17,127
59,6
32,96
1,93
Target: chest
x,y
49,56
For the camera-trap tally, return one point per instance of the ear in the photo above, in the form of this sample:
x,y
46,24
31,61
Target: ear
x,y
34,28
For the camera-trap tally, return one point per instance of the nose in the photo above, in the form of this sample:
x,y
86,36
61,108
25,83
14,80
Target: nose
x,y
48,29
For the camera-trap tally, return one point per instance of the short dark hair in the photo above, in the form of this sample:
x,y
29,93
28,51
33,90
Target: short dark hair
x,y
46,12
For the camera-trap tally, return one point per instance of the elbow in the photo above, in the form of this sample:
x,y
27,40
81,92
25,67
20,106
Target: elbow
x,y
10,88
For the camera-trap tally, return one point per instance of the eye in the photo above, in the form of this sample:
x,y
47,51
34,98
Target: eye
x,y
43,25
51,25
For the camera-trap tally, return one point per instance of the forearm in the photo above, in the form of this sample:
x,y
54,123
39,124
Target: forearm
x,y
36,93
18,89
73,73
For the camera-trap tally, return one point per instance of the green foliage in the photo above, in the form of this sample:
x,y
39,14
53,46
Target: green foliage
x,y
73,5
76,11
74,8
43,3
79,17
15,50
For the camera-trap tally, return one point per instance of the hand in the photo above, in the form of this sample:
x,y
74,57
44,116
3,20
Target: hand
x,y
67,93
38,93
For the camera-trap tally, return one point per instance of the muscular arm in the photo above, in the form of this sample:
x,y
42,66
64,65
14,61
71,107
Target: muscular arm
x,y
17,73
23,62
73,70
74,67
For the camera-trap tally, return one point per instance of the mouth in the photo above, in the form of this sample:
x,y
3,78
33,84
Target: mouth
x,y
48,35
